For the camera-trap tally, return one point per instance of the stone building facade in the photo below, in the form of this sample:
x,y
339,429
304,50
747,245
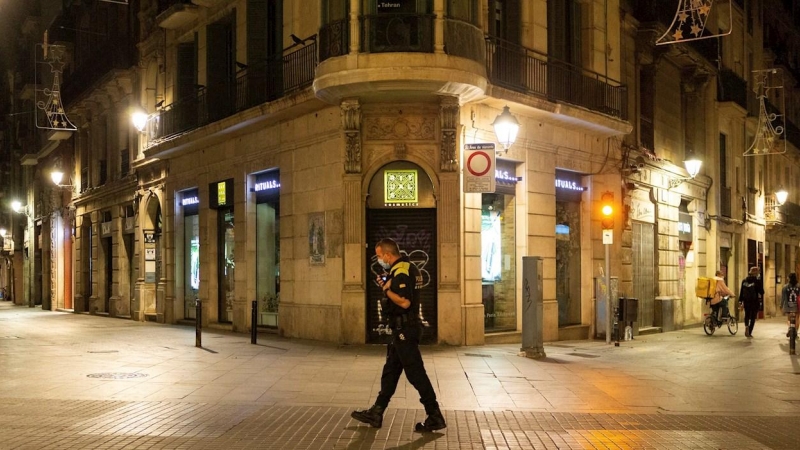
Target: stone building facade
x,y
280,140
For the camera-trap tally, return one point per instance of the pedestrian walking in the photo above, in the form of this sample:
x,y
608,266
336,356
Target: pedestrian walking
x,y
751,293
401,285
789,296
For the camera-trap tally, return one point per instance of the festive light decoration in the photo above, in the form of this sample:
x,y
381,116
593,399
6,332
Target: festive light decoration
x,y
770,138
689,23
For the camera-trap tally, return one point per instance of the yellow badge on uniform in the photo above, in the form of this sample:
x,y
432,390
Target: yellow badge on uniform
x,y
402,285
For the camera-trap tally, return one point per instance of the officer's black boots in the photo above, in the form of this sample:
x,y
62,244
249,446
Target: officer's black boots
x,y
372,416
434,421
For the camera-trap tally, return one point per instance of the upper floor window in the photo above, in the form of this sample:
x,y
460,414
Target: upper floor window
x,y
335,10
504,19
465,10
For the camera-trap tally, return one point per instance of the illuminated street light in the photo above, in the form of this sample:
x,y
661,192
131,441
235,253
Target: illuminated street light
x,y
781,195
57,176
506,127
139,119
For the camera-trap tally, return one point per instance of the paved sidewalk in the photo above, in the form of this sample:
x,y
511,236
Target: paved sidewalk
x,y
80,381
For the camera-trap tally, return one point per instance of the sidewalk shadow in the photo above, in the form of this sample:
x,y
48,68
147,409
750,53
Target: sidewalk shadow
x,y
418,443
795,362
364,438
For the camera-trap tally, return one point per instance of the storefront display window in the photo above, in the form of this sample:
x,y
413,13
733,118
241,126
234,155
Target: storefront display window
x,y
267,188
498,262
190,203
569,193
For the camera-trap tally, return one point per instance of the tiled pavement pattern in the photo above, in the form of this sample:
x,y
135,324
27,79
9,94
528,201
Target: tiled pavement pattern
x,y
670,391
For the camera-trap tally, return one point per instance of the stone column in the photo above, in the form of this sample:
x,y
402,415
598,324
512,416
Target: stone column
x,y
353,312
449,117
355,27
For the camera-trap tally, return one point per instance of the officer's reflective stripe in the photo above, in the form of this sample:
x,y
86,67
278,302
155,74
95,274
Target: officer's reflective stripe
x,y
401,268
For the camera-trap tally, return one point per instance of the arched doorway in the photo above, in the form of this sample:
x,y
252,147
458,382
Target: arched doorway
x,y
401,205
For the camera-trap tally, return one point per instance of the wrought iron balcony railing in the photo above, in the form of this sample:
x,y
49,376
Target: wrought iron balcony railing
x,y
524,70
732,88
258,83
381,33
334,39
786,214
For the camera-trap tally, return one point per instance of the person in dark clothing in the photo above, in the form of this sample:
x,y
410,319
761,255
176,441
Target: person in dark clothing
x,y
401,287
751,294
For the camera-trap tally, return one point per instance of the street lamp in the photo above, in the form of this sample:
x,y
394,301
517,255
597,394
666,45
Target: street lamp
x,y
692,164
506,127
781,195
139,119
18,207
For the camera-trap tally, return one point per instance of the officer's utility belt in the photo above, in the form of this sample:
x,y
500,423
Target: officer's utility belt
x,y
403,320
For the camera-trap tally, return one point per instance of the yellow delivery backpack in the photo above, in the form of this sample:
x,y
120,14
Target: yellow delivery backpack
x,y
706,287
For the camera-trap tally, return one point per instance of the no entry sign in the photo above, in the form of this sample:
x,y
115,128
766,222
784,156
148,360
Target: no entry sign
x,y
479,165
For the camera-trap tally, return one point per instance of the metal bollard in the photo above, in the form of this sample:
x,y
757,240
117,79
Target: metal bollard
x,y
198,328
254,323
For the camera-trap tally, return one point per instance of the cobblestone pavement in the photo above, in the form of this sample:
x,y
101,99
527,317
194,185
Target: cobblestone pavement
x,y
72,381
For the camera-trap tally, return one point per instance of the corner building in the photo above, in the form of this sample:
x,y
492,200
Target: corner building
x,y
284,139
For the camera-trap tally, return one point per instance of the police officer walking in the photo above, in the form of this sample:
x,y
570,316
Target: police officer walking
x,y
401,287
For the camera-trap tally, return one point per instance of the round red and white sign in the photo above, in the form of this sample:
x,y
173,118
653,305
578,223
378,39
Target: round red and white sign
x,y
479,163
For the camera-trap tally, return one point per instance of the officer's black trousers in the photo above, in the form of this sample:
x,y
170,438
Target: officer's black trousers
x,y
403,354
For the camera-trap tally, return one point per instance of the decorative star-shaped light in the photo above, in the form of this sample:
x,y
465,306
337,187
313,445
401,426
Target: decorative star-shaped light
x,y
56,65
683,16
704,10
696,30
678,35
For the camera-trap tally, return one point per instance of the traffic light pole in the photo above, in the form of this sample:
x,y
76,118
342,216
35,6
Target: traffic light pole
x,y
608,298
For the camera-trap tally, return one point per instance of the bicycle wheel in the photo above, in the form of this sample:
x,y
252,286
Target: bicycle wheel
x,y
708,326
733,325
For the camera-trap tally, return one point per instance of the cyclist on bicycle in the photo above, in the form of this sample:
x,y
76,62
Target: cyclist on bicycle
x,y
721,295
789,297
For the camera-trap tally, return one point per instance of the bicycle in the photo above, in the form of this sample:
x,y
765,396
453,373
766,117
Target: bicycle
x,y
720,314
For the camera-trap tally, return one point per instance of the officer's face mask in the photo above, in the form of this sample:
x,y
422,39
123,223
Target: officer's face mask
x,y
384,264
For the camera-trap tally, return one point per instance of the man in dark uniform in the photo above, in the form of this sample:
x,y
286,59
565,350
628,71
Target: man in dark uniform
x,y
401,288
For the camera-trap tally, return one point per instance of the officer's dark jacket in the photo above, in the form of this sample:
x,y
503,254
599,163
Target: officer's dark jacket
x,y
406,282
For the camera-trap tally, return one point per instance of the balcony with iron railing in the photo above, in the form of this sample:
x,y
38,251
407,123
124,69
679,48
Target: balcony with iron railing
x,y
524,70
785,214
254,85
732,88
396,54
398,32
334,39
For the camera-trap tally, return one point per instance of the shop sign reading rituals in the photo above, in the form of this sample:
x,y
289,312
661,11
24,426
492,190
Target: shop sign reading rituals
x,y
479,162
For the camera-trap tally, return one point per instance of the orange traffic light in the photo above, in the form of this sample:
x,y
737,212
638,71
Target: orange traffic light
x,y
607,210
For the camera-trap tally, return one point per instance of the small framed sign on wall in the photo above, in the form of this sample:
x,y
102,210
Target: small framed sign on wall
x,y
316,238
